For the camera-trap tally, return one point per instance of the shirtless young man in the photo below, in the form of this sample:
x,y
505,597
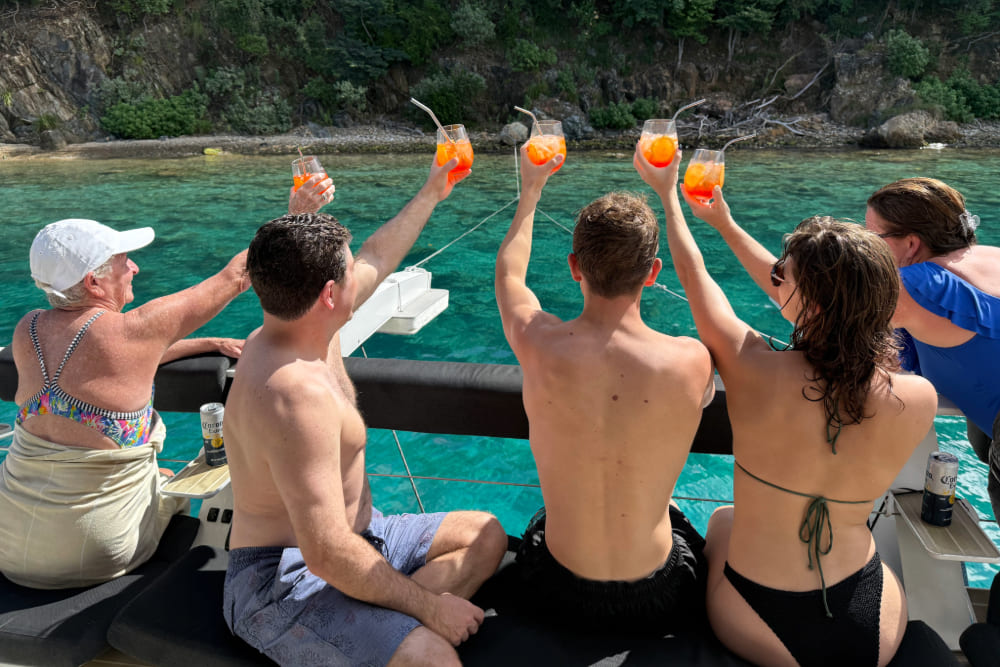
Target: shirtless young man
x,y
317,576
613,407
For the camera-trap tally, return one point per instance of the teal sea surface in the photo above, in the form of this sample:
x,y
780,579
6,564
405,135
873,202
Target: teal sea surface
x,y
206,209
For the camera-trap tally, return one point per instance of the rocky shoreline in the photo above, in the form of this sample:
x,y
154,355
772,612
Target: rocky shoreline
x,y
811,133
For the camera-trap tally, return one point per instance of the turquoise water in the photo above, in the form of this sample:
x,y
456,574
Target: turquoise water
x,y
206,209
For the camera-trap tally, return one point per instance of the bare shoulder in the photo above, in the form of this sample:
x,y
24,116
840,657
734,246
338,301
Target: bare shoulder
x,y
915,390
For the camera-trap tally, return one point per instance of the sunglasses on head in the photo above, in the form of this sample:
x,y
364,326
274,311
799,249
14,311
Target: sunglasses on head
x,y
778,272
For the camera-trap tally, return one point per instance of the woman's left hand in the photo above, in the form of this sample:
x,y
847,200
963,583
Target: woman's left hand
x,y
231,347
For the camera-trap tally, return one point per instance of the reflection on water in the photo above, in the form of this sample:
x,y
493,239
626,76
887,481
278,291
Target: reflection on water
x,y
206,209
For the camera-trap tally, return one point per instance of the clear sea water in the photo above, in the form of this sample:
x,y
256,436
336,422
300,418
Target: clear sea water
x,y
206,209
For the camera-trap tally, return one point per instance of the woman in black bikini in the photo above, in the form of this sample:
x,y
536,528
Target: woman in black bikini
x,y
820,431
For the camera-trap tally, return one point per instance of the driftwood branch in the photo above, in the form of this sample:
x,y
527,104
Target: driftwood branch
x,y
811,82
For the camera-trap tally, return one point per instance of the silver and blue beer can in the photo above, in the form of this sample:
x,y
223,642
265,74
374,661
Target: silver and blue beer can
x,y
939,489
211,433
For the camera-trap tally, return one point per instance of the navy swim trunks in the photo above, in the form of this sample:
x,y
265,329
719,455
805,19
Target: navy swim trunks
x,y
274,603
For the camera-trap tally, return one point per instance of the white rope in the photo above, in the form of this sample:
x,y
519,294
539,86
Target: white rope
x,y
464,234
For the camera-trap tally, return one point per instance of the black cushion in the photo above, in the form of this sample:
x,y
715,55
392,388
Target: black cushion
x,y
177,621
68,627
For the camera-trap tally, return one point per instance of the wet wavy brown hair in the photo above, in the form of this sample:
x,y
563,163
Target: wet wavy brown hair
x,y
848,287
615,241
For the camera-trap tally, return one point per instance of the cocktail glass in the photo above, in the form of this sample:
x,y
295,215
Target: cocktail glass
x,y
453,141
546,140
303,168
706,169
658,141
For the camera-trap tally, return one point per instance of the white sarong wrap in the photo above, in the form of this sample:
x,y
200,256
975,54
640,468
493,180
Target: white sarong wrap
x,y
74,516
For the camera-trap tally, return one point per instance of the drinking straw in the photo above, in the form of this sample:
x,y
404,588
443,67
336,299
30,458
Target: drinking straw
x,y
688,106
535,120
733,141
299,149
434,118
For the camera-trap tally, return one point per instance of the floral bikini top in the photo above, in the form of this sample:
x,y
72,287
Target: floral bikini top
x,y
126,429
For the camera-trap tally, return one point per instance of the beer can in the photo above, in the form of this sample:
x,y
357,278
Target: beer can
x,y
939,489
211,433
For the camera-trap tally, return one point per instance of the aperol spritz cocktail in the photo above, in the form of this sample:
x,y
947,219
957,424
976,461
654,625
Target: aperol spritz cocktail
x,y
546,141
304,168
658,141
706,169
453,141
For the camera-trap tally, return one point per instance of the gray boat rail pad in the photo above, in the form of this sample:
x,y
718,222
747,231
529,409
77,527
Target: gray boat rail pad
x,y
963,540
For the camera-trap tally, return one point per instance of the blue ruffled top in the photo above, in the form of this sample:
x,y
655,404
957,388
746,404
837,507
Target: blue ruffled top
x,y
967,374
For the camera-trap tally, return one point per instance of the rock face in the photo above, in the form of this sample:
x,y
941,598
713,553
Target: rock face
x,y
865,90
52,74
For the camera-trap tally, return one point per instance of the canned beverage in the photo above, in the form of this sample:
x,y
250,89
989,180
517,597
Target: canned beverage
x,y
939,489
211,433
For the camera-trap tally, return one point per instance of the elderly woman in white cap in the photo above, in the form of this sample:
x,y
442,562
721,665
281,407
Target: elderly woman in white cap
x,y
80,498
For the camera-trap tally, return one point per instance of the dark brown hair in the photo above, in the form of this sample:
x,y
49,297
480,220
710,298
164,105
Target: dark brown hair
x,y
292,257
615,242
928,208
848,286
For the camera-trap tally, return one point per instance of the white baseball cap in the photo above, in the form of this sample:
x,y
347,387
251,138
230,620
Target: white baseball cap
x,y
64,252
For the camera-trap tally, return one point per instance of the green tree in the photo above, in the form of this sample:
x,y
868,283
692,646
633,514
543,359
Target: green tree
x,y
689,18
907,56
745,18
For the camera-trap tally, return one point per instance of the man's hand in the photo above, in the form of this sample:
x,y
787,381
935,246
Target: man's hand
x,y
534,176
715,214
454,618
437,182
663,180
313,195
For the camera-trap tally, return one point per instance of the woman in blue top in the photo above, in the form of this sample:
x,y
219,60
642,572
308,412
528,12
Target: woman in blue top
x,y
949,304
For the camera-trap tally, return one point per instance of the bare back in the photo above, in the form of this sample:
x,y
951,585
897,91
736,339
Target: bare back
x,y
779,435
283,414
612,416
112,368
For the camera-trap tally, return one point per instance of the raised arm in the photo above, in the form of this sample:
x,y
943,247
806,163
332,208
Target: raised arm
x,y
304,459
387,246
164,321
719,328
755,258
518,304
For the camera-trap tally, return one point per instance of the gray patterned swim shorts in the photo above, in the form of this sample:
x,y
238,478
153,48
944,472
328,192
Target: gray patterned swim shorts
x,y
274,603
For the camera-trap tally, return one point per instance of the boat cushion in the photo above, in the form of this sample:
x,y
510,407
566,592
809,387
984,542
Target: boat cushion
x,y
68,627
177,622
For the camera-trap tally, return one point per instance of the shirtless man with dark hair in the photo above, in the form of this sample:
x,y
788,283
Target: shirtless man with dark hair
x,y
613,407
317,576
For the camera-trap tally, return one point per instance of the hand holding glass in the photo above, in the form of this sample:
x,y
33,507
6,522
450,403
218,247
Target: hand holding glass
x,y
658,142
304,168
705,170
453,141
546,141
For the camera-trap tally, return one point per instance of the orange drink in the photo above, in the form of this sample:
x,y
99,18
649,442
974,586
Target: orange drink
x,y
453,141
658,142
705,170
546,141
305,168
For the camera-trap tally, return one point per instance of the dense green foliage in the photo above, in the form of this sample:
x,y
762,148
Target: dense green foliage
x,y
268,64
